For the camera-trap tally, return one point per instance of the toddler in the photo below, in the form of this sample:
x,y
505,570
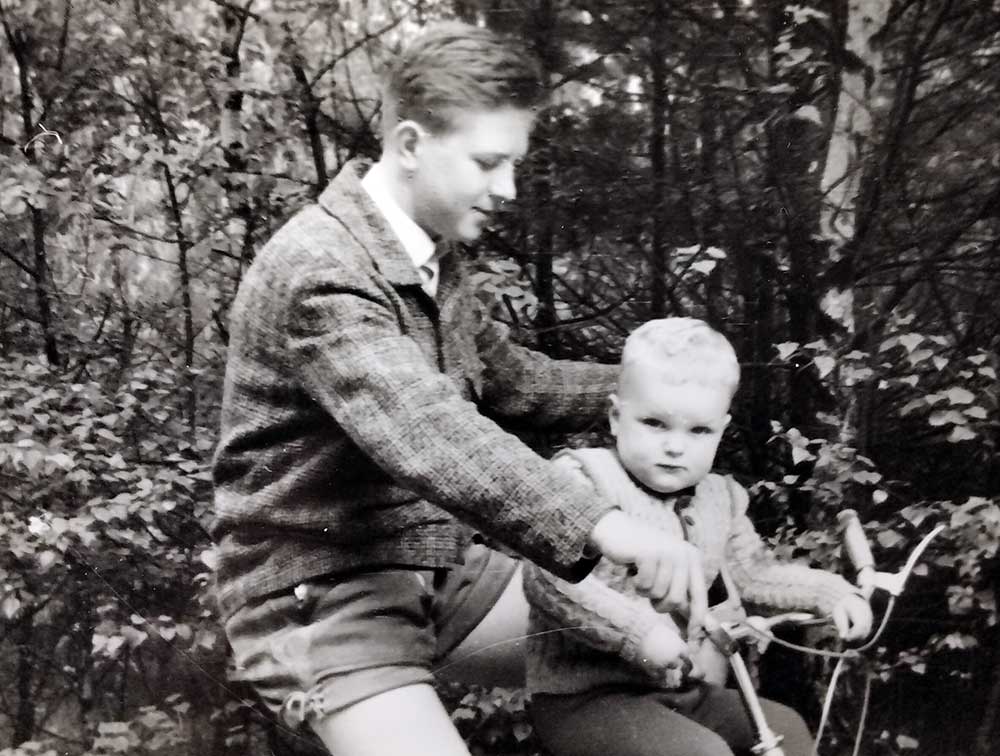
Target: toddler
x,y
608,673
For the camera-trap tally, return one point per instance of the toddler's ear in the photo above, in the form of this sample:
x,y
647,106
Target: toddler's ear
x,y
613,413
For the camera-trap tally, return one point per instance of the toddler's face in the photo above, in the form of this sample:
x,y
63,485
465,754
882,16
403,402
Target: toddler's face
x,y
667,435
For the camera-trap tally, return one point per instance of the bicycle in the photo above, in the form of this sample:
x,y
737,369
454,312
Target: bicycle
x,y
729,636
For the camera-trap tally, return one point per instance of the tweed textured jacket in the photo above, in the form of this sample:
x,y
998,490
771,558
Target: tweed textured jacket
x,y
586,635
360,415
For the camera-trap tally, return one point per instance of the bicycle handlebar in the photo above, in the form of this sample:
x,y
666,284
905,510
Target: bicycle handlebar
x,y
858,550
855,541
860,554
727,635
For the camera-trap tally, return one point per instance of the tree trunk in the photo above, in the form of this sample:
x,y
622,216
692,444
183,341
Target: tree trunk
x,y
21,46
183,247
852,125
842,183
543,23
41,280
310,116
24,718
243,218
658,157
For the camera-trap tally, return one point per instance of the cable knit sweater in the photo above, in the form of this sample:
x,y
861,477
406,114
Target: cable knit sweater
x,y
588,634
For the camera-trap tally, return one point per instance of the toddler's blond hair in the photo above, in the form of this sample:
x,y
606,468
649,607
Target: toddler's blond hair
x,y
685,350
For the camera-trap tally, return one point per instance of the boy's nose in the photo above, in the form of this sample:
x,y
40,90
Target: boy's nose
x,y
503,186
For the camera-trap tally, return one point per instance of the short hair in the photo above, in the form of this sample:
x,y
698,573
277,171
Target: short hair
x,y
454,66
687,349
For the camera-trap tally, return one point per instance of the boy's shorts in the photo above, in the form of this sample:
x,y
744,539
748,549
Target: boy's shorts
x,y
332,642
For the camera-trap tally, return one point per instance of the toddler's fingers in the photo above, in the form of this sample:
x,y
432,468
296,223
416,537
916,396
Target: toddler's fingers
x,y
841,621
861,621
661,583
696,672
697,594
675,595
853,618
645,573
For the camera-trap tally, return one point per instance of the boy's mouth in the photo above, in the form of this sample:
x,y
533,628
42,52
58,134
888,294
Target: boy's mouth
x,y
486,219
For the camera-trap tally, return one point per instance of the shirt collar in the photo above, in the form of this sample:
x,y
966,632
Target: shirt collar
x,y
417,244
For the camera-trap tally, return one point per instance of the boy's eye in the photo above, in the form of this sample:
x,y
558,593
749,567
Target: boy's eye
x,y
701,430
651,422
488,164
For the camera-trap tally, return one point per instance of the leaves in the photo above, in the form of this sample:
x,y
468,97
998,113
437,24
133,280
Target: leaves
x,y
10,606
960,433
825,364
944,417
106,479
889,539
808,113
786,349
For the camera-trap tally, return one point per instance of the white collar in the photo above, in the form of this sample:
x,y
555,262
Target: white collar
x,y
418,245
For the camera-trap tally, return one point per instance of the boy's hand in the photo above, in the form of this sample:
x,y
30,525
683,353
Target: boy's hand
x,y
662,650
668,570
853,617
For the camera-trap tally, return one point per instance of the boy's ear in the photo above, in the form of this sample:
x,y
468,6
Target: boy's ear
x,y
406,142
726,421
614,411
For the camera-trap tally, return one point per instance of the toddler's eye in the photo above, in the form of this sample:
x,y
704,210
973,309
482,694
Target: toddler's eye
x,y
651,422
701,430
488,164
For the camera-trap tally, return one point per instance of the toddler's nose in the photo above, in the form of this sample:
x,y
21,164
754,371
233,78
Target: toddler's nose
x,y
672,445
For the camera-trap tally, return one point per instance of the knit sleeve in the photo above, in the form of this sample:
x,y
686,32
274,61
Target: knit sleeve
x,y
593,611
602,611
524,385
762,579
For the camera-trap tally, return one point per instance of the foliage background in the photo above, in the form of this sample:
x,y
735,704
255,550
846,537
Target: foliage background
x,y
820,180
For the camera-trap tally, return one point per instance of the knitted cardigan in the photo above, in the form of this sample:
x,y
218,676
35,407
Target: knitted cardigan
x,y
588,634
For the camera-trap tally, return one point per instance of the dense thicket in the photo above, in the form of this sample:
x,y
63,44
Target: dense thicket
x,y
820,180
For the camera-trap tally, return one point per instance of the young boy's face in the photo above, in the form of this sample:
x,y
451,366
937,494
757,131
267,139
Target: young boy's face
x,y
667,434
463,176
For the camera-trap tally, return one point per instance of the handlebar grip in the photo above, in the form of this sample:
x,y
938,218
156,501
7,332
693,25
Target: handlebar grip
x,y
855,541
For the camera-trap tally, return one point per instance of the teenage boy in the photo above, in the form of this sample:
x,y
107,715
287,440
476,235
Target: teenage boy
x,y
606,671
360,456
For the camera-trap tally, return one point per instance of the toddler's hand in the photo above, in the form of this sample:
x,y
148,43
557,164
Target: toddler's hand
x,y
668,570
662,650
853,617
